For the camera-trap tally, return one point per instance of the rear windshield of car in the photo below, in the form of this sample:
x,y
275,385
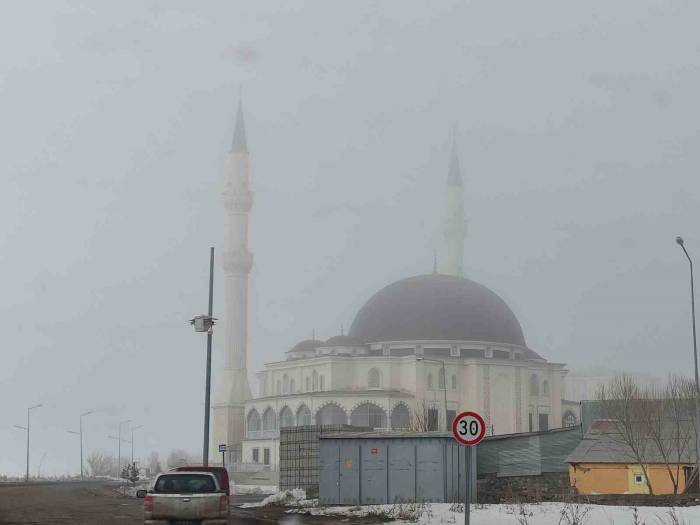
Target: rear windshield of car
x,y
185,484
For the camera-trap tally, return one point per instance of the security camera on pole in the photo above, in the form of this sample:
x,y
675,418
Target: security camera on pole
x,y
468,429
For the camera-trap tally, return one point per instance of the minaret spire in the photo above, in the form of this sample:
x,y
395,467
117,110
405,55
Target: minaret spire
x,y
455,229
234,390
239,144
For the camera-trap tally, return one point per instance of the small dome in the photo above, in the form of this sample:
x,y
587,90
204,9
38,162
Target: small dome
x,y
436,307
307,345
343,340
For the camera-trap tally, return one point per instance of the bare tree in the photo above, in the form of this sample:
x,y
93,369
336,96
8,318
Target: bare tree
x,y
669,426
154,466
625,404
179,457
419,418
101,464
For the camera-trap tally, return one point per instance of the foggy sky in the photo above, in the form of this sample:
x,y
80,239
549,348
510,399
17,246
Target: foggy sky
x,y
578,141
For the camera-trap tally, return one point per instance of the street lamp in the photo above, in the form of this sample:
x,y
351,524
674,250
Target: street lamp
x,y
205,323
679,240
27,430
132,441
119,446
81,439
444,384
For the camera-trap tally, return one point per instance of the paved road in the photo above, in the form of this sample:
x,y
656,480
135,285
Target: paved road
x,y
99,502
76,503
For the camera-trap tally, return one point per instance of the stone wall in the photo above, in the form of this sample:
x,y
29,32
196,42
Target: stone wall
x,y
552,486
555,487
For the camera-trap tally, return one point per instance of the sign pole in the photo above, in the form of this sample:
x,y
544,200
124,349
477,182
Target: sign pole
x,y
468,429
467,499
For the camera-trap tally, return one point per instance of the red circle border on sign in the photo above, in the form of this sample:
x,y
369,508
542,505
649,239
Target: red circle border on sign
x,y
464,441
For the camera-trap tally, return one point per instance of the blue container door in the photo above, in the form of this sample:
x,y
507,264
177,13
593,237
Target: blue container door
x,y
349,474
402,471
374,472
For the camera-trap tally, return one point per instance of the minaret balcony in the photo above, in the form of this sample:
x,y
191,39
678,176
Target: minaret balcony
x,y
238,201
238,262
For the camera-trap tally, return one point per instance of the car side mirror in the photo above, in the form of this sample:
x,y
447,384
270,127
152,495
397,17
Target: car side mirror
x,y
141,493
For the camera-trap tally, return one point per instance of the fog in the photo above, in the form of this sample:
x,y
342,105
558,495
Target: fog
x,y
578,140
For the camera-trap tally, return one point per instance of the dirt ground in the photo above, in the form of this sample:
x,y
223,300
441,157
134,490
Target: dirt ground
x,y
93,503
79,503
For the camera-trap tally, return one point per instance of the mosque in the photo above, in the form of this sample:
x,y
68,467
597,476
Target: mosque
x,y
419,350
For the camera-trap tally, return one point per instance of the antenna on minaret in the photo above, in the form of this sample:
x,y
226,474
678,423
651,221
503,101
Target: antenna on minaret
x,y
341,330
435,261
313,334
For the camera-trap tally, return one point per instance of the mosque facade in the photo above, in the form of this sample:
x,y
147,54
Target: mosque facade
x,y
420,350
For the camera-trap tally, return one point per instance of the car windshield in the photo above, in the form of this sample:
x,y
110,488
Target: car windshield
x,y
185,484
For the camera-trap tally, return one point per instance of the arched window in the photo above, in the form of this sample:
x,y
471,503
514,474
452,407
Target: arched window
x,y
253,421
441,379
321,385
534,385
331,414
308,384
454,382
279,387
430,381
400,417
368,415
569,419
374,378
269,421
285,384
286,418
292,386
303,416
314,380
545,387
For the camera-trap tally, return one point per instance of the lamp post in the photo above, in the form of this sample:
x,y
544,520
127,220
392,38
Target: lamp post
x,y
119,447
680,242
444,384
205,323
132,441
27,430
81,439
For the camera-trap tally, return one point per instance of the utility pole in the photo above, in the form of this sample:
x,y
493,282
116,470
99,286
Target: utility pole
x,y
679,240
132,441
205,323
27,430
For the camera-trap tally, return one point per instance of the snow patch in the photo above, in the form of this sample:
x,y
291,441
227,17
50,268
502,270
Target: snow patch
x,y
290,498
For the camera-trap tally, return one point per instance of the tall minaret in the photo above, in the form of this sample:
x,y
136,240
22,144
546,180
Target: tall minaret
x,y
455,228
234,391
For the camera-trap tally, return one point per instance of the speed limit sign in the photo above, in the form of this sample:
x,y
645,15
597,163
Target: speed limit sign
x,y
468,428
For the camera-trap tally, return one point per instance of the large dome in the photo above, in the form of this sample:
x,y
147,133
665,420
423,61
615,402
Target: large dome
x,y
436,307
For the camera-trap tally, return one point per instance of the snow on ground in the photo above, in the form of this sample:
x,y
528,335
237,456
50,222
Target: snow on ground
x,y
295,497
254,489
532,514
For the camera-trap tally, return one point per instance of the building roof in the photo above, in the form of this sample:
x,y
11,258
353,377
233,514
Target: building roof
x,y
307,345
436,307
343,340
603,443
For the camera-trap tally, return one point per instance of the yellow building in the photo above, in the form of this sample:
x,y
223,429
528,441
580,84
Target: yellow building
x,y
603,464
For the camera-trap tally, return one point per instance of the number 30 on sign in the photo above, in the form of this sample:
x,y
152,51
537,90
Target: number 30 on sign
x,y
468,428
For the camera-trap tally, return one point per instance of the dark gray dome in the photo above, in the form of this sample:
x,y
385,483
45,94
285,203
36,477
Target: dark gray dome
x,y
307,345
436,307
